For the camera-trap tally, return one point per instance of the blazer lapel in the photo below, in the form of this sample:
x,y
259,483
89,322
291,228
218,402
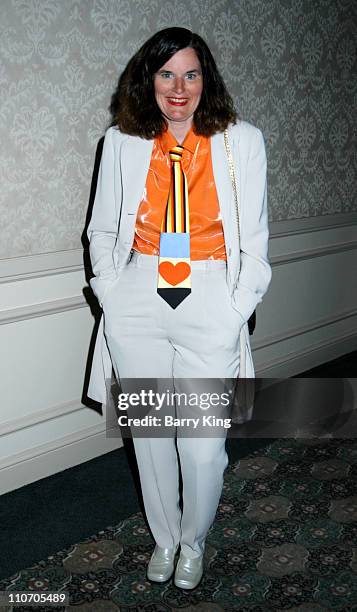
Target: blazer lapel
x,y
226,196
136,157
221,174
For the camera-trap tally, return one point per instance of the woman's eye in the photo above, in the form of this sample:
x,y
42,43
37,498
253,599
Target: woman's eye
x,y
191,76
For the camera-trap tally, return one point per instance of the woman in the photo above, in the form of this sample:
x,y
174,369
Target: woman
x,y
164,251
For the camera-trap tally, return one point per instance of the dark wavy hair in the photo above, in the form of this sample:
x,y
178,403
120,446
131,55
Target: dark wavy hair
x,y
133,105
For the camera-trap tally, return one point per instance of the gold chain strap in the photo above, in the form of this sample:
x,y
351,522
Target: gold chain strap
x,y
233,179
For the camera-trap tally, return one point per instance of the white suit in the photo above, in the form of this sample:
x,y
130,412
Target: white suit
x,y
121,181
242,284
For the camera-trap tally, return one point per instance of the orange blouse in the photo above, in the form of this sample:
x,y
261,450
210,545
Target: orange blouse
x,y
206,231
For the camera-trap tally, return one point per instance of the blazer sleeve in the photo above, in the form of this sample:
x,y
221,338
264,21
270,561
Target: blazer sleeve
x,y
255,270
103,227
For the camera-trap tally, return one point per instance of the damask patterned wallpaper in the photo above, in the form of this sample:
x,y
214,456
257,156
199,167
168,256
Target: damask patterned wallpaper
x,y
290,65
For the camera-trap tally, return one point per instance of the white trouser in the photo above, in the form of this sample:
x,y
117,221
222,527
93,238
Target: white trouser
x,y
199,339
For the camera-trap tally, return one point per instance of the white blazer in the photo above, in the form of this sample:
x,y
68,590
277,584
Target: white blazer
x,y
121,181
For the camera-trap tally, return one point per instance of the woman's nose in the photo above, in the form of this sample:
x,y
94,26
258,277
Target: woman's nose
x,y
179,84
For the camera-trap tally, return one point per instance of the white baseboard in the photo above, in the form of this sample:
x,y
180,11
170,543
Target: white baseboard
x,y
299,330
49,307
39,416
44,264
295,363
53,457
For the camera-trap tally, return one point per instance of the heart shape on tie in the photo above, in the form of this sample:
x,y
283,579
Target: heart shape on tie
x,y
174,273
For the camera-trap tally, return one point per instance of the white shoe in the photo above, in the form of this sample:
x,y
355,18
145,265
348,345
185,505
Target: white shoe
x,y
162,564
188,572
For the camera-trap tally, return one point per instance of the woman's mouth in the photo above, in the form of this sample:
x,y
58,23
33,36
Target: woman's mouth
x,y
177,101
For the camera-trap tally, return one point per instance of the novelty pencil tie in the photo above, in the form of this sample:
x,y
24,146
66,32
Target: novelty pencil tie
x,y
174,281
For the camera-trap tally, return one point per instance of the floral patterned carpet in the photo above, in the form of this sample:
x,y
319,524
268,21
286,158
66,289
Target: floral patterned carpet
x,y
285,538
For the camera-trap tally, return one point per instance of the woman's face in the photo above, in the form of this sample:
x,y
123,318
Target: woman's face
x,y
178,86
